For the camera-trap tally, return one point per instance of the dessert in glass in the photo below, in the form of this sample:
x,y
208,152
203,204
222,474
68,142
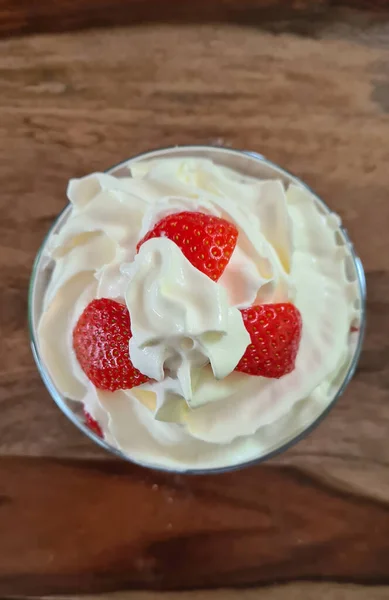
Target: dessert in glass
x,y
196,308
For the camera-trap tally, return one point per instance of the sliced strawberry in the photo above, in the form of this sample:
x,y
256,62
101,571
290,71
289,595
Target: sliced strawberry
x,y
100,341
275,332
93,424
207,242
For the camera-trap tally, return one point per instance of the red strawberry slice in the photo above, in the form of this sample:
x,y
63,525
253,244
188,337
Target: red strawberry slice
x,y
93,424
206,241
100,341
275,332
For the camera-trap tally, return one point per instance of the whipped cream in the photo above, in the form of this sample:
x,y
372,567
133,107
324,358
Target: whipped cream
x,y
188,333
182,319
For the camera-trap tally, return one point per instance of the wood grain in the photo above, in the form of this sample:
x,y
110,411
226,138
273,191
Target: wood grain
x,y
92,526
20,17
312,96
292,591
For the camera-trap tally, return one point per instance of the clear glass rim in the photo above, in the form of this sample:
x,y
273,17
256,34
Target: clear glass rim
x,y
61,403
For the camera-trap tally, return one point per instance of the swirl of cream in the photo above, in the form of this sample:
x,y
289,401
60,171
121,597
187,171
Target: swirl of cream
x,y
180,318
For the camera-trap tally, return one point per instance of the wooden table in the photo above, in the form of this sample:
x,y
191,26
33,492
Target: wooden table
x,y
307,84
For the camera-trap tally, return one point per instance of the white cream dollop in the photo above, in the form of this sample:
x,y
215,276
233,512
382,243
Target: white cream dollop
x,y
188,334
180,318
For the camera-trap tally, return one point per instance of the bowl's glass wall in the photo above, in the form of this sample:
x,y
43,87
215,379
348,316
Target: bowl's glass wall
x,y
247,163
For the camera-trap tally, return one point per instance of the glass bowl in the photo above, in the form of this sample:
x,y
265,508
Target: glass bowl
x,y
248,163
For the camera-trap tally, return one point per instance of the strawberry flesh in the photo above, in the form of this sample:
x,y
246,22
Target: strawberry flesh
x,y
275,332
92,424
101,343
206,241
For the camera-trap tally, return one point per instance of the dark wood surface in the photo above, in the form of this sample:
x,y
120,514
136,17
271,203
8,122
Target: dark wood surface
x,y
25,17
309,93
